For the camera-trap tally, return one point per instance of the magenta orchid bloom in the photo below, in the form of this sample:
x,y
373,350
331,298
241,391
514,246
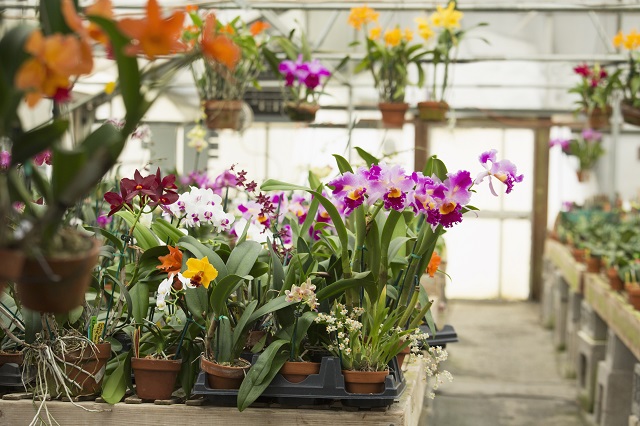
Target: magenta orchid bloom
x,y
251,212
456,196
43,158
591,135
5,159
297,207
582,70
290,70
396,185
310,73
350,188
426,197
505,171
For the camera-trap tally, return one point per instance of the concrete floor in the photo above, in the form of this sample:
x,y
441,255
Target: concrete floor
x,y
504,370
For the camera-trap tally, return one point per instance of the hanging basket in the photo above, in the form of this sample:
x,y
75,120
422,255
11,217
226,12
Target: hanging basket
x,y
393,114
433,111
583,175
301,112
599,118
58,284
630,114
223,114
11,263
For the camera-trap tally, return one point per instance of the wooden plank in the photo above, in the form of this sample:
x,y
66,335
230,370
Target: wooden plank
x,y
561,257
614,310
539,218
405,412
421,144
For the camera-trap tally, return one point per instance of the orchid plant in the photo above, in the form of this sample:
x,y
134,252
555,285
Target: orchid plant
x,y
630,83
586,147
388,54
595,87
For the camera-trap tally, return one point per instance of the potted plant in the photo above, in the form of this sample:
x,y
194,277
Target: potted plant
x,y
587,148
388,56
595,89
446,21
630,105
304,78
221,84
631,284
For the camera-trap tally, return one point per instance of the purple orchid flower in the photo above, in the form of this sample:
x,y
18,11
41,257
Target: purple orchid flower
x,y
456,195
426,197
43,158
505,171
396,184
290,70
297,207
561,142
5,159
310,73
350,188
591,135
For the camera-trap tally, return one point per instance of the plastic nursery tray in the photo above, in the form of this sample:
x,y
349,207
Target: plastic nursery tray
x,y
446,335
324,387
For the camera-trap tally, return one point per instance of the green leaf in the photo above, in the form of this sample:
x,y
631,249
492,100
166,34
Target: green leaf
x,y
199,250
243,257
278,185
166,231
221,293
343,165
314,182
368,158
37,140
65,166
32,324
311,217
271,306
197,301
262,373
75,314
117,242
140,301
362,279
145,239
114,385
277,270
51,17
435,166
243,324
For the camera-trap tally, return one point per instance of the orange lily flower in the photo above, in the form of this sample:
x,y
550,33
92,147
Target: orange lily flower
x,y
219,48
153,35
258,27
171,263
434,263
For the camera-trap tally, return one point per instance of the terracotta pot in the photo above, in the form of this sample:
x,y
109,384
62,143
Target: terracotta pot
x,y
633,294
11,358
393,114
38,290
630,114
222,376
402,355
615,282
583,175
593,265
296,372
84,370
599,118
11,263
155,378
578,254
303,112
433,111
223,114
364,381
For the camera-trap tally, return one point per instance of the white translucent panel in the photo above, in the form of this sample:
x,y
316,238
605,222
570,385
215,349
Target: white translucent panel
x,y
518,148
473,256
460,148
516,259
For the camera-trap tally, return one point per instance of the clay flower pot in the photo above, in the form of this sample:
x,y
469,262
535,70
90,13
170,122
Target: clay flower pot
x,y
630,114
393,114
402,355
39,290
84,367
578,254
155,378
593,265
11,358
302,112
222,114
11,263
433,111
296,372
222,376
364,381
615,282
599,118
583,175
633,294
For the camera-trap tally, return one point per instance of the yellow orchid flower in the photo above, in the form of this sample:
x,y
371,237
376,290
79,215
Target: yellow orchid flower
x,y
360,16
200,271
448,18
393,37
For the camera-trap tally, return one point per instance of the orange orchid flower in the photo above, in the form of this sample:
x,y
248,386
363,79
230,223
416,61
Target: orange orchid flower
x,y
191,8
153,35
172,262
434,263
217,47
228,29
258,27
99,8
